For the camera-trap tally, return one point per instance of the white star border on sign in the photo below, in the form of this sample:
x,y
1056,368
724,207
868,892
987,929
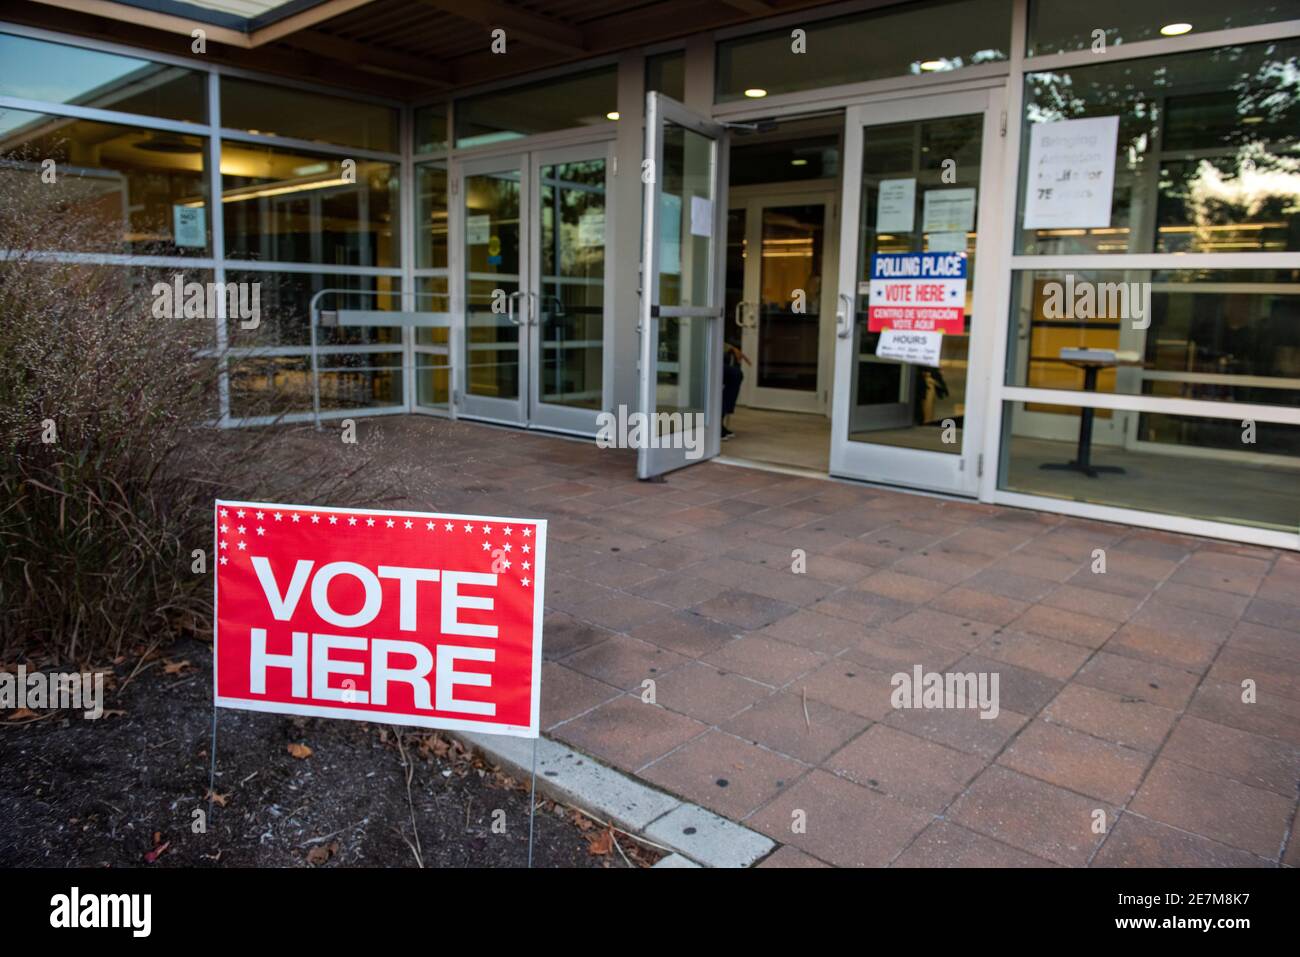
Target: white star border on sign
x,y
354,521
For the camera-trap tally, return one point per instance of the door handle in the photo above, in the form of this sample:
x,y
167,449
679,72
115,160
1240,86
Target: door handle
x,y
510,308
844,316
737,314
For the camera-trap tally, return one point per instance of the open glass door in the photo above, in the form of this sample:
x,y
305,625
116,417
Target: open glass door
x,y
921,178
682,291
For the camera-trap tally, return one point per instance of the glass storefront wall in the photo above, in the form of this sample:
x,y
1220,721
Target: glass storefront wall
x,y
295,221
1206,177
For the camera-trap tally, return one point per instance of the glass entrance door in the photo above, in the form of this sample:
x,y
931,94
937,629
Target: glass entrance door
x,y
684,223
921,176
534,231
788,241
571,295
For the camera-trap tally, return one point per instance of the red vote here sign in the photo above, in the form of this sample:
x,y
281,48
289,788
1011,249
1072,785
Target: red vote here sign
x,y
412,618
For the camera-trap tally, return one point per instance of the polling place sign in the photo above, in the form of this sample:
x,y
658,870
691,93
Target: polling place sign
x,y
917,292
410,618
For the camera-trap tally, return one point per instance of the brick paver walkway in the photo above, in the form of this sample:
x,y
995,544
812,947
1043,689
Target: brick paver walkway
x,y
1120,693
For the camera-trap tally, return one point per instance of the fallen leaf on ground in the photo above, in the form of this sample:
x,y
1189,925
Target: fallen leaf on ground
x,y
601,844
300,751
219,799
322,853
157,852
22,713
176,667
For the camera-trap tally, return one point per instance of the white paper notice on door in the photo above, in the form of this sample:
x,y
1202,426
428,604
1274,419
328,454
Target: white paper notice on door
x,y
189,226
917,348
701,216
477,229
949,211
896,211
1071,173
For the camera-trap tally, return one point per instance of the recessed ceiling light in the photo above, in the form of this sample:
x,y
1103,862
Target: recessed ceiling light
x,y
931,65
1176,29
1252,119
799,162
612,115
755,93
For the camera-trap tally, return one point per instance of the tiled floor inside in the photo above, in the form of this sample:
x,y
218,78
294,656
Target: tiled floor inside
x,y
681,646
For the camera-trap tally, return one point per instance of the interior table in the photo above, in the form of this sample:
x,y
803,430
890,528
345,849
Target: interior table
x,y
1082,461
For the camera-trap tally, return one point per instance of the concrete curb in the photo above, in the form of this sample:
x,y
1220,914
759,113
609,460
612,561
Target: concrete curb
x,y
700,837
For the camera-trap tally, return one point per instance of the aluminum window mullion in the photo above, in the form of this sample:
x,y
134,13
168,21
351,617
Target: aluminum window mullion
x,y
108,259
993,445
116,117
304,351
262,265
217,234
1129,402
1158,262
406,197
310,146
1165,521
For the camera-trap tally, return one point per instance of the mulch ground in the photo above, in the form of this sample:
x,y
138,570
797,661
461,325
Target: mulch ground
x,y
306,792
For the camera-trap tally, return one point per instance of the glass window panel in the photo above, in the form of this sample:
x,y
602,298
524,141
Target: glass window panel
x,y
279,385
801,150
433,373
285,299
899,404
432,295
431,216
666,73
584,99
1060,26
916,39
684,256
1208,156
292,206
492,250
431,129
58,73
791,260
571,314
682,374
139,191
1221,336
1196,467
299,114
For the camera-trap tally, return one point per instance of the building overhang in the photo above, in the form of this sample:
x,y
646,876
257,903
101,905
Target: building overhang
x,y
402,48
